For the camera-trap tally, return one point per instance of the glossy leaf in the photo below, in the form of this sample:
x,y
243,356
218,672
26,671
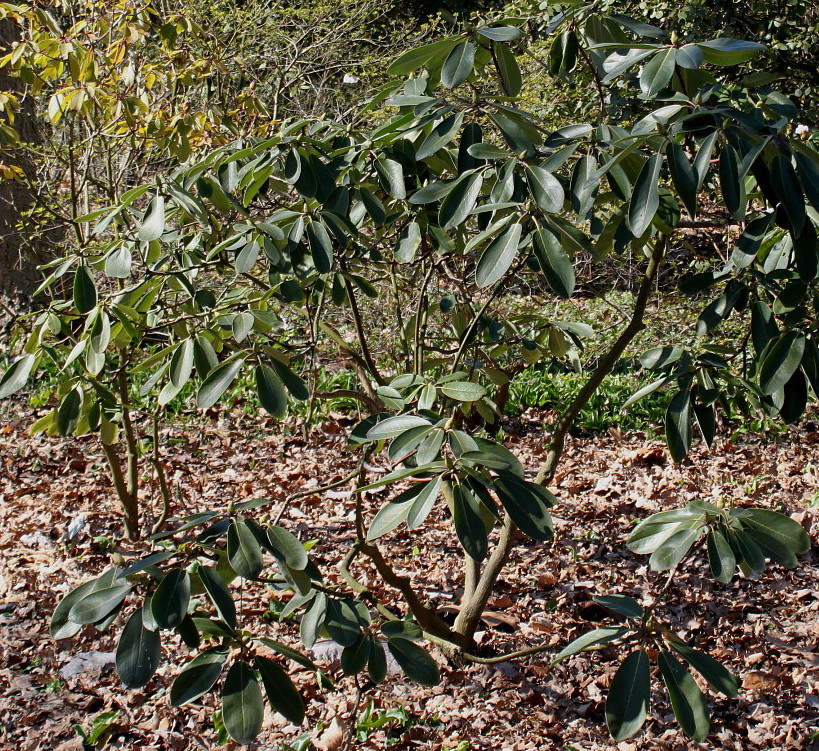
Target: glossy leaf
x,y
627,702
721,557
138,652
85,290
17,375
271,391
243,551
321,246
678,431
498,257
545,188
508,69
217,382
621,604
781,362
395,426
645,199
242,706
684,177
281,693
458,65
591,639
469,525
197,678
657,72
98,603
714,672
153,222
460,201
675,548
219,594
779,527
169,604
554,262
686,698
414,661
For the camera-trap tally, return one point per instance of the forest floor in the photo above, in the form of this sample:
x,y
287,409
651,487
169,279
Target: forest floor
x,y
765,630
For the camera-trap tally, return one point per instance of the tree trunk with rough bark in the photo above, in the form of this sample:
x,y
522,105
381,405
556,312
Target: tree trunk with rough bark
x,y
21,251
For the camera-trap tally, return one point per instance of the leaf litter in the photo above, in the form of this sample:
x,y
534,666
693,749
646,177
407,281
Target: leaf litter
x,y
58,525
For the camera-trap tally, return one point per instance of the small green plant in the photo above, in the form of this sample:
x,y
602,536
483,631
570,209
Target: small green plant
x,y
100,731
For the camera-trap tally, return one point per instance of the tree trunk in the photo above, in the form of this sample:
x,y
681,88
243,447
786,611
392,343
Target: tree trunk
x,y
21,251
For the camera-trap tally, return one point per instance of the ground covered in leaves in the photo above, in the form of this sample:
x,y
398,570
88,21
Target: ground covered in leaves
x,y
58,526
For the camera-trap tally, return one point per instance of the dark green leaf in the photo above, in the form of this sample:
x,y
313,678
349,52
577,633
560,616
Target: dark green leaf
x,y
414,661
748,551
343,622
458,65
545,188
733,192
377,664
726,51
714,672
555,263
460,201
684,177
271,391
286,547
808,172
138,652
750,241
469,525
508,69
806,252
355,657
219,594
686,698
675,548
313,620
321,246
420,56
85,290
591,639
783,529
498,256
440,136
217,382
721,557
627,702
500,33
17,375
527,504
621,604
657,72
780,362
678,432
61,627
392,177
242,706
645,199
197,678
787,187
281,693
98,603
169,604
243,551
